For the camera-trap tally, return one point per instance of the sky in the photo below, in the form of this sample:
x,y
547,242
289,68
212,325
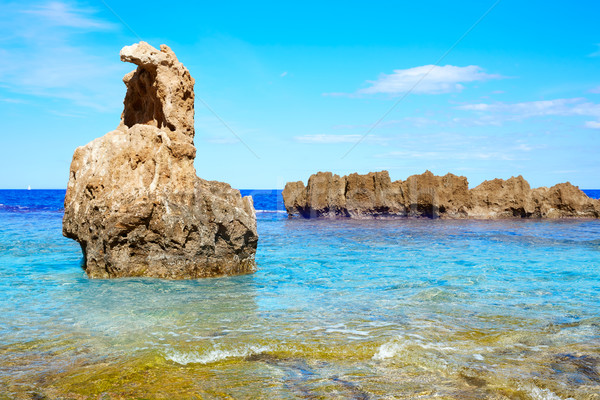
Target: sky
x,y
483,89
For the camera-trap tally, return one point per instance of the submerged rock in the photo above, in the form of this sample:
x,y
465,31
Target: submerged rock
x,y
375,195
134,202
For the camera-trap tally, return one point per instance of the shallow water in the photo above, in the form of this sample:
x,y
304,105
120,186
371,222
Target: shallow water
x,y
338,309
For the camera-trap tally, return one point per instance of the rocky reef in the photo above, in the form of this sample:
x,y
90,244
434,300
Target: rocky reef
x,y
374,195
134,202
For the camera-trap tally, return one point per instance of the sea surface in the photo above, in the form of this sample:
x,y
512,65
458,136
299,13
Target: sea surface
x,y
413,308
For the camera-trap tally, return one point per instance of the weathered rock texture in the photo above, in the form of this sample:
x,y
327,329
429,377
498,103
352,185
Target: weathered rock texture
x,y
374,195
134,202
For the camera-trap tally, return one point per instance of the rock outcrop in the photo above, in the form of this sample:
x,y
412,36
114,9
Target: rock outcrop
x,y
375,195
134,202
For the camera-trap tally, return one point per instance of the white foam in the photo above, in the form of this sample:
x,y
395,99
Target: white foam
x,y
396,346
214,355
388,350
544,394
436,347
347,331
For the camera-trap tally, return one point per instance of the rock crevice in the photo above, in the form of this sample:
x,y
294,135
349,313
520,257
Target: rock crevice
x,y
375,195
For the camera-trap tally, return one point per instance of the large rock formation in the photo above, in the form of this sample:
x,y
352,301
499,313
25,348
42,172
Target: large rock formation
x,y
134,202
374,195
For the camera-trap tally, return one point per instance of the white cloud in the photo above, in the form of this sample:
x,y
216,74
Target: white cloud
x,y
450,155
595,90
338,94
284,73
592,124
329,139
452,147
523,110
524,147
45,55
424,122
535,108
597,52
427,79
14,101
62,14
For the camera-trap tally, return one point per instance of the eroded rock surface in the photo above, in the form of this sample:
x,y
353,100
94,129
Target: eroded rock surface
x,y
375,195
134,202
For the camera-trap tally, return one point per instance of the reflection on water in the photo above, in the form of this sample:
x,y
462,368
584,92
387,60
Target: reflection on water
x,y
338,309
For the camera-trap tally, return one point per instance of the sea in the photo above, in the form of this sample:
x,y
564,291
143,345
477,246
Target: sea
x,y
338,309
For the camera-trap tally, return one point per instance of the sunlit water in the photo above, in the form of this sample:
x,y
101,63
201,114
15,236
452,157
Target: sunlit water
x,y
338,309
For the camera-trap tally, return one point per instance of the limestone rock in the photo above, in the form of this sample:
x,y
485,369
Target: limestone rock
x,y
565,200
374,195
134,202
428,195
328,195
500,198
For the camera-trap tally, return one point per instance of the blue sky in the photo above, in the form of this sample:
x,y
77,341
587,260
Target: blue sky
x,y
302,84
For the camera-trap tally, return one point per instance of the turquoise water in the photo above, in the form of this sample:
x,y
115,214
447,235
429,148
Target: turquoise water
x,y
337,309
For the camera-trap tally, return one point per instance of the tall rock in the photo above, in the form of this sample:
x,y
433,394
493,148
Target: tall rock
x,y
374,195
134,202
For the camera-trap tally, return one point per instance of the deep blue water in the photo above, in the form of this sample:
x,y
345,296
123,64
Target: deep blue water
x,y
52,200
268,200
346,309
593,193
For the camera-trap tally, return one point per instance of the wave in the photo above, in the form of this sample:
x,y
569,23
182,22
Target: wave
x,y
400,345
544,394
26,210
14,208
214,355
347,331
272,211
